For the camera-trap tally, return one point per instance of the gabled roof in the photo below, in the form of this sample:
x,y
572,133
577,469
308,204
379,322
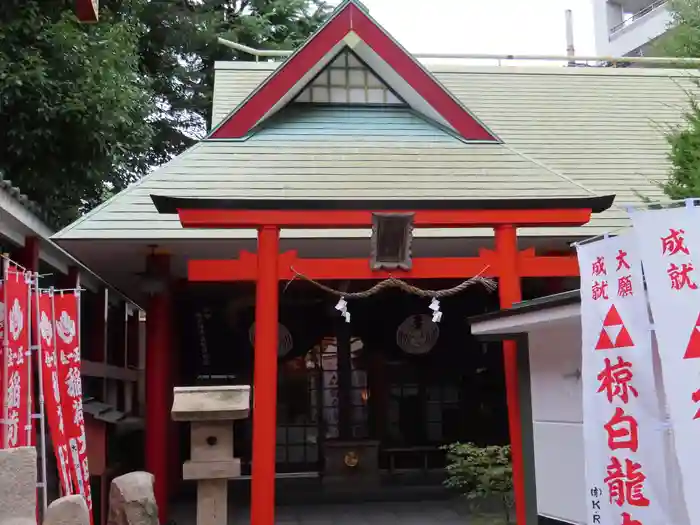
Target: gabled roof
x,y
567,132
322,153
351,27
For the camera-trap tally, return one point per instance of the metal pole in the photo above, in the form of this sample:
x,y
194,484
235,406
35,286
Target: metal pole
x,y
42,412
29,429
570,52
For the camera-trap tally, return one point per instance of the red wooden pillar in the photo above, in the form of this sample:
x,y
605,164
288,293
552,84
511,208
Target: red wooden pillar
x,y
158,385
265,379
509,293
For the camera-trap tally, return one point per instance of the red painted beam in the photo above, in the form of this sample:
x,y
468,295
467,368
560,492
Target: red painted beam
x,y
245,268
363,218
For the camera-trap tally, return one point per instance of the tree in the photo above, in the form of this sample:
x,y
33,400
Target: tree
x,y
76,110
91,108
683,40
683,36
178,48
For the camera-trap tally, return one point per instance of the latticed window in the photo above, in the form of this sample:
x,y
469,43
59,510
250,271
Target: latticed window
x,y
346,80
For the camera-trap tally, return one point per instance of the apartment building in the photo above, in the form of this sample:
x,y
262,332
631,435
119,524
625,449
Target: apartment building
x,y
627,27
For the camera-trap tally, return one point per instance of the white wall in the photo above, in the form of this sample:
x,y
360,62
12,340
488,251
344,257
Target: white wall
x,y
607,14
557,413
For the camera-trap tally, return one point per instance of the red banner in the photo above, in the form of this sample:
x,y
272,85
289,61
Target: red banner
x,y
3,364
67,330
17,413
53,408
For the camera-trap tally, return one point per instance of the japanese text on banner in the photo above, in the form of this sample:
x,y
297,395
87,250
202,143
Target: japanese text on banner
x,y
18,402
669,244
625,474
67,343
52,391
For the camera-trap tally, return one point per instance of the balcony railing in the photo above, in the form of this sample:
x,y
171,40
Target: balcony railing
x,y
639,14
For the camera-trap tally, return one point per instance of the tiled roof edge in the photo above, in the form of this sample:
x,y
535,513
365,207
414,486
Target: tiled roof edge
x,y
31,206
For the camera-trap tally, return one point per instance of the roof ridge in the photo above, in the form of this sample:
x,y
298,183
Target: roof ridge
x,y
549,169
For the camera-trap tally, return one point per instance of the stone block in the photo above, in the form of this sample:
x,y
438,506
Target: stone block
x,y
211,440
211,403
131,500
18,485
68,510
219,469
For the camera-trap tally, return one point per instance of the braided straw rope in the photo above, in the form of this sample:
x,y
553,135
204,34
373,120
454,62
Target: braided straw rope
x,y
393,282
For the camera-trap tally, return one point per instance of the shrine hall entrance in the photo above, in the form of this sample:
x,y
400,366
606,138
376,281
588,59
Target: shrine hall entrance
x,y
384,392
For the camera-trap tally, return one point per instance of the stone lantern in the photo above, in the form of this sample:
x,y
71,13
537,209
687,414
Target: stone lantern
x,y
211,411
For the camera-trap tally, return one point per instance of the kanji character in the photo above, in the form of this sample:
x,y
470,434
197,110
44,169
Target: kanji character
x,y
624,286
63,469
615,380
75,386
59,414
12,427
81,441
55,387
596,492
623,431
621,261
674,243
625,484
49,358
78,477
14,390
627,519
19,356
600,290
598,266
679,276
696,399
70,356
78,412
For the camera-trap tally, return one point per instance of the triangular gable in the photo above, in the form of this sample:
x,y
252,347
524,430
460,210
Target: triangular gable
x,y
348,80
351,27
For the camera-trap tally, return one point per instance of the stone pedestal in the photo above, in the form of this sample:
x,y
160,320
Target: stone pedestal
x,y
351,465
211,411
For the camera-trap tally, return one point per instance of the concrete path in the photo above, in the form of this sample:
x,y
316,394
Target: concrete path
x,y
405,513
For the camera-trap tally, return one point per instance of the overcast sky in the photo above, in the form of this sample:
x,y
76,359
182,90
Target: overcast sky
x,y
534,27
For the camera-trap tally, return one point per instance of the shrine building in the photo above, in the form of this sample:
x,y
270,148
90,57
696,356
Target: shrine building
x,y
346,164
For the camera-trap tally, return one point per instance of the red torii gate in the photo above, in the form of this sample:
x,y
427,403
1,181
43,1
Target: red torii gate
x,y
268,267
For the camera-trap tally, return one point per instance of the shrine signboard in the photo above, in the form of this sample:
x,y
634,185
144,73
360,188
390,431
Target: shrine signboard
x,y
669,245
623,420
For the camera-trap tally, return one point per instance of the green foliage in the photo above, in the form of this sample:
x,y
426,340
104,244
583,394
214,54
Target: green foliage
x,y
90,108
75,109
684,179
683,37
481,473
683,40
178,47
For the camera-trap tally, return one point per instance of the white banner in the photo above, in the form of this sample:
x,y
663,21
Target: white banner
x,y
622,415
669,244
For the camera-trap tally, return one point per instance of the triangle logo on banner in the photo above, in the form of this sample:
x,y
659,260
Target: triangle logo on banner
x,y
692,351
614,334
